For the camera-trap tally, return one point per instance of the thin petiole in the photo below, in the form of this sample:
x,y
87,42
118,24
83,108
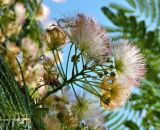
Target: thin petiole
x,y
68,58
37,89
91,81
75,93
86,89
75,63
82,60
60,63
58,67
91,86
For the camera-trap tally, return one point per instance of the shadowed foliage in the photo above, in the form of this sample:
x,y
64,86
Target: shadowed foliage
x,y
138,21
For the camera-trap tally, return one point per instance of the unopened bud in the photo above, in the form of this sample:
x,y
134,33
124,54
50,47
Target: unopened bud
x,y
54,37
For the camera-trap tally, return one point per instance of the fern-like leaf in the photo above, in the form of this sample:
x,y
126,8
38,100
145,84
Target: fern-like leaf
x,y
14,106
143,111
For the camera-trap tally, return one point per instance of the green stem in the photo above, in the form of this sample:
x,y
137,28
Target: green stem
x,y
75,63
87,89
91,86
58,66
27,96
91,77
23,79
75,93
82,59
68,58
61,64
90,81
37,89
65,83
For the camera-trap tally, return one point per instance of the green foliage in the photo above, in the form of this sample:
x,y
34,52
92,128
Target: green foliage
x,y
131,125
16,111
31,27
139,22
37,118
14,104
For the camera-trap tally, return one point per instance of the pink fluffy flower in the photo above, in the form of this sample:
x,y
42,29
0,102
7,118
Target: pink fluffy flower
x,y
20,12
43,13
90,38
129,62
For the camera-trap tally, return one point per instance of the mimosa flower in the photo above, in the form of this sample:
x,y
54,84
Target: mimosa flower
x,y
54,37
7,2
29,47
49,55
13,28
20,11
52,123
51,100
90,38
88,111
12,52
115,94
129,62
43,91
49,61
43,13
34,75
13,49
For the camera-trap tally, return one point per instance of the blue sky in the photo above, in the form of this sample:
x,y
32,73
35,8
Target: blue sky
x,y
89,7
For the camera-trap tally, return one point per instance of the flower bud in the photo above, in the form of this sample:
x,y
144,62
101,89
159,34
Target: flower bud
x,y
54,37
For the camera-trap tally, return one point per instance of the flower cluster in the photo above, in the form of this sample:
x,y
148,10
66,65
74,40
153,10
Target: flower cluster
x,y
119,66
16,42
73,113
